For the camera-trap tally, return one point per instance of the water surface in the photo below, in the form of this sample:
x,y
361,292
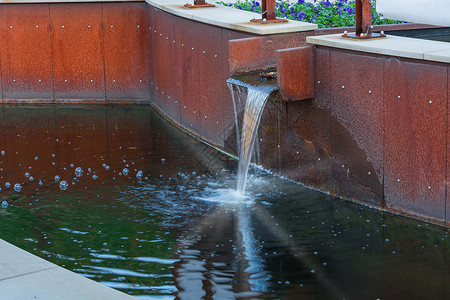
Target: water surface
x,y
172,226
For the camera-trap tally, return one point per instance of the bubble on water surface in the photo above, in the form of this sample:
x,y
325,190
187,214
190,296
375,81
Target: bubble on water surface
x,y
3,152
27,174
17,187
94,177
139,175
63,185
31,178
57,178
78,171
125,171
4,204
7,184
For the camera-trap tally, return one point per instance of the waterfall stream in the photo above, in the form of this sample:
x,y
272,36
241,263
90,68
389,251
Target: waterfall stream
x,y
255,101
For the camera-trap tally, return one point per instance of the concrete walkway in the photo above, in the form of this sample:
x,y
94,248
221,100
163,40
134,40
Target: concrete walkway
x,y
25,276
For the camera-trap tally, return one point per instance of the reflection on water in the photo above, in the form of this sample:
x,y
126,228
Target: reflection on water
x,y
154,213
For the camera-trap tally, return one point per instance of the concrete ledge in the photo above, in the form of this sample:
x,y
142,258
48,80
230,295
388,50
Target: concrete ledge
x,y
231,18
26,276
392,45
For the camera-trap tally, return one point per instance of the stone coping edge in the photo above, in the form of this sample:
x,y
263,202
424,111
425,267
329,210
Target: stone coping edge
x,y
230,18
391,45
26,276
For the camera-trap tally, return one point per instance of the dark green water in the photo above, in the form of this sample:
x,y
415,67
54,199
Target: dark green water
x,y
181,231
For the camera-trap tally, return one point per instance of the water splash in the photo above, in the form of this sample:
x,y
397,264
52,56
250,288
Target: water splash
x,y
254,105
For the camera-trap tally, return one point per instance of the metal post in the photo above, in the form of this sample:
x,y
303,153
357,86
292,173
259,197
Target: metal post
x,y
199,4
269,13
363,21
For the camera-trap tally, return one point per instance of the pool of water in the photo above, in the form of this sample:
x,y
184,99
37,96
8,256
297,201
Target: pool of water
x,y
154,213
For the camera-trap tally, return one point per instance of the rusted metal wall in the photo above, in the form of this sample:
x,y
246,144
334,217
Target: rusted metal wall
x,y
188,70
69,52
377,131
388,130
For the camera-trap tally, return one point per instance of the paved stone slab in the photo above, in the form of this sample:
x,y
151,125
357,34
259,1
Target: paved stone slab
x,y
231,18
25,276
392,45
16,262
441,56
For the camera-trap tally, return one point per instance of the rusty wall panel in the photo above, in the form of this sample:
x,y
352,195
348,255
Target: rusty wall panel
x,y
448,152
357,128
212,86
151,50
259,53
160,58
26,52
126,50
77,51
415,138
295,73
29,142
271,135
189,74
305,156
322,69
170,94
228,126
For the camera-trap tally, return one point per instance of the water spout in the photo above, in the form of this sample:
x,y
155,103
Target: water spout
x,y
257,96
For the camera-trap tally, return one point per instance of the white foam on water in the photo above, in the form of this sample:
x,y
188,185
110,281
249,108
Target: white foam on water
x,y
226,196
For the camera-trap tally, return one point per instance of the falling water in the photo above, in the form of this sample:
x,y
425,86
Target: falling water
x,y
256,100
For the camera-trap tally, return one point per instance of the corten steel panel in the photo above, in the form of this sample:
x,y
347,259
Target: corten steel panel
x,y
448,152
305,156
322,69
212,86
228,130
258,53
357,133
82,140
26,52
30,143
169,23
357,126
126,50
188,74
415,137
295,73
271,135
78,67
151,51
160,58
